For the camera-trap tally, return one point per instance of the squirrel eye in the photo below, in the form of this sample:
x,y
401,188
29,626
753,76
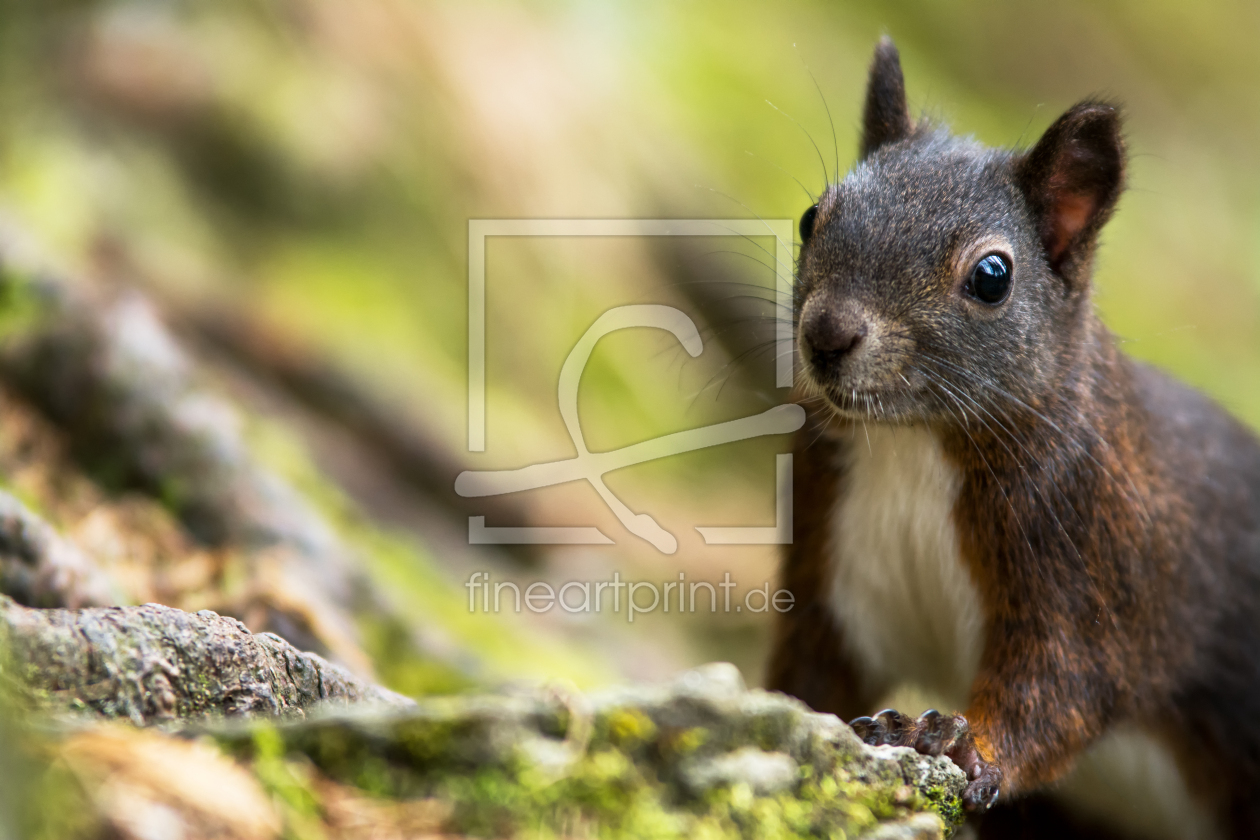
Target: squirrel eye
x,y
990,280
807,223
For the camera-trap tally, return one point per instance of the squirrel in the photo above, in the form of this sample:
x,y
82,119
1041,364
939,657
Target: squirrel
x,y
995,504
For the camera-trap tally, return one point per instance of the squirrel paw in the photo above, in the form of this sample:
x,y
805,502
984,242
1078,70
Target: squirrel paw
x,y
936,734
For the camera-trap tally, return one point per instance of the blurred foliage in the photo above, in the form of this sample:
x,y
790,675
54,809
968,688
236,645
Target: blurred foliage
x,y
321,160
317,162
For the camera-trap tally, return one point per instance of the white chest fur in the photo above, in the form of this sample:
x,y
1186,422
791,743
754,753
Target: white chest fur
x,y
912,615
903,596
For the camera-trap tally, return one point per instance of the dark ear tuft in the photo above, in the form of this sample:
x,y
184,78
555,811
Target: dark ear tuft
x,y
886,118
1072,179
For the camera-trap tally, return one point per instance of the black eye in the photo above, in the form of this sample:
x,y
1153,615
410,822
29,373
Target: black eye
x,y
807,223
990,280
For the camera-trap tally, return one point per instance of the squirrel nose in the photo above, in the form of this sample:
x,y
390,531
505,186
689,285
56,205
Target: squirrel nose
x,y
830,336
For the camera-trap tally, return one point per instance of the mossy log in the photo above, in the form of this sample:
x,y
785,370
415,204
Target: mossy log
x,y
701,757
154,663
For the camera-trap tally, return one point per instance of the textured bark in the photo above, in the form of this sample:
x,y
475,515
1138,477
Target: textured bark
x,y
154,663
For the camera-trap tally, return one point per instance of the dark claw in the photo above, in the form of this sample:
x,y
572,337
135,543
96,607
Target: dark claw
x,y
935,731
898,728
865,728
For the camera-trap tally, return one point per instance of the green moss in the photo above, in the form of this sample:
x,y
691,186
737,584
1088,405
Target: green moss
x,y
684,742
614,790
604,795
767,730
947,806
625,728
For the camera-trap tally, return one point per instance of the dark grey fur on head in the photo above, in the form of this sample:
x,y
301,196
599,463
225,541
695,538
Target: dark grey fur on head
x,y
886,117
886,325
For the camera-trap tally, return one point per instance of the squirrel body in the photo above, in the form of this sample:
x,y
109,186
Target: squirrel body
x,y
995,504
909,612
915,615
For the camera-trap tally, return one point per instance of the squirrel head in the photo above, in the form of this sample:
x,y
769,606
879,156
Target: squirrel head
x,y
941,277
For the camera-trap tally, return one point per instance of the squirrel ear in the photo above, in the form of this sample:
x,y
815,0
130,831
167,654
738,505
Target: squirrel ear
x,y
1072,179
885,118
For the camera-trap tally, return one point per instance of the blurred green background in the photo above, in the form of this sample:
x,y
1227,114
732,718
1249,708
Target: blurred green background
x,y
313,164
